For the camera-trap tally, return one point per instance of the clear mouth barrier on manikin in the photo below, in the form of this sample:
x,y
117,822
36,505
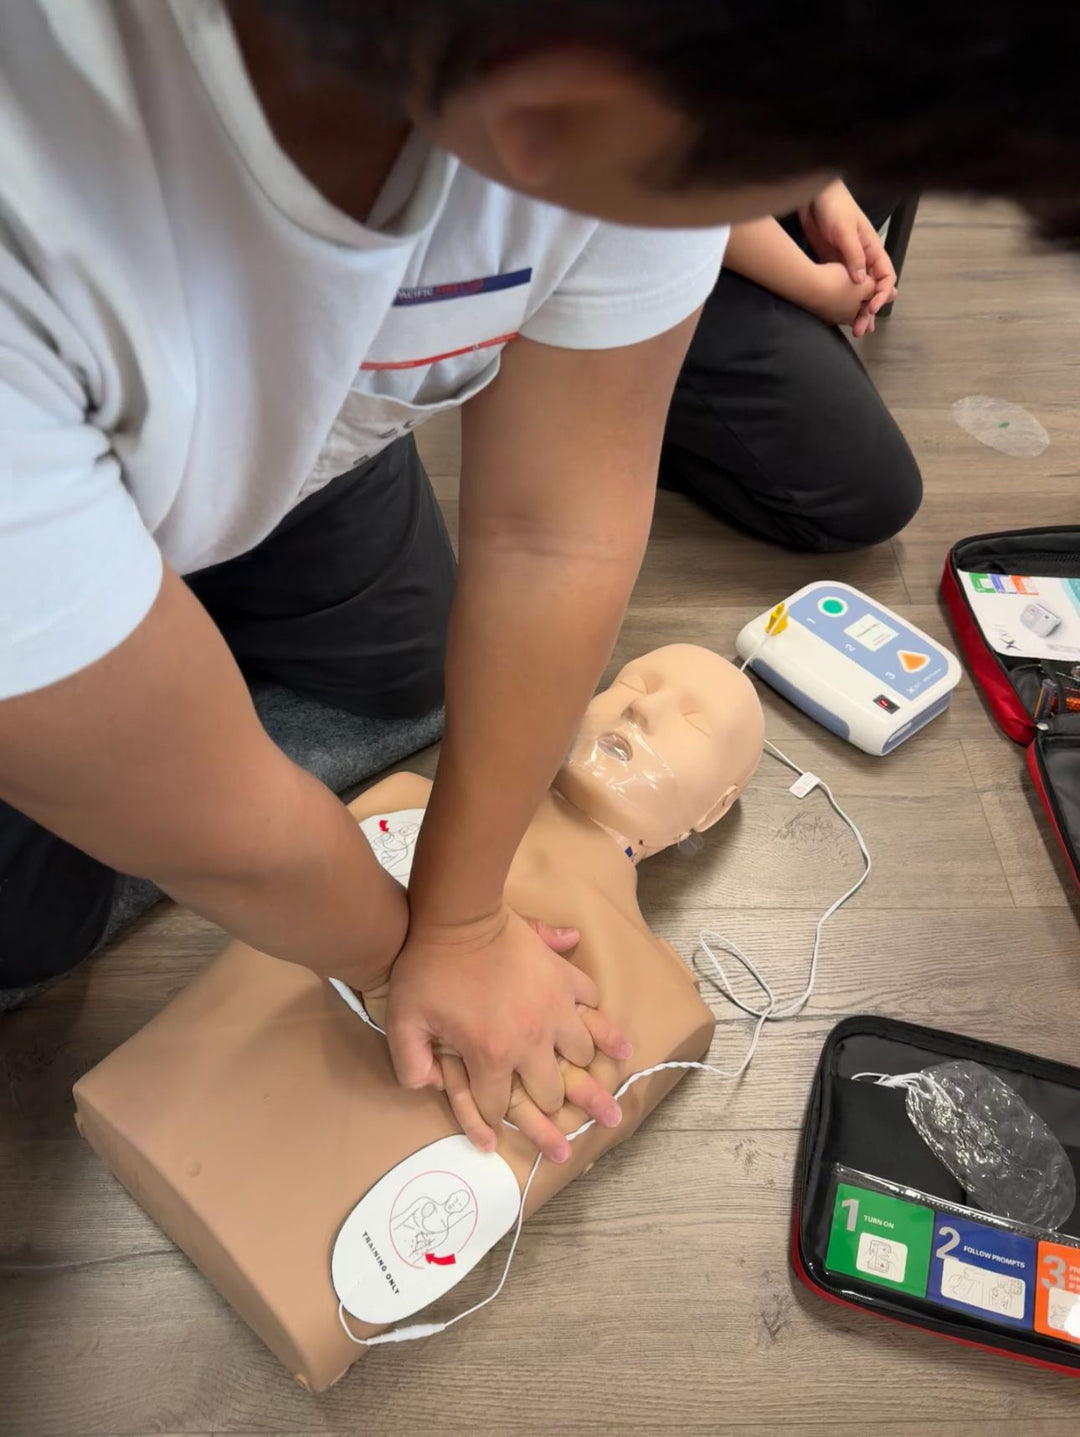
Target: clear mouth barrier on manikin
x,y
604,745
622,755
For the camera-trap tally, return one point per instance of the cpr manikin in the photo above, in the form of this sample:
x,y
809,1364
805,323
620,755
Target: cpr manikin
x,y
251,1116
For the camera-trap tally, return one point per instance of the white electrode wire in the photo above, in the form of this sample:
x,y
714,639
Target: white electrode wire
x,y
713,942
752,655
344,991
418,1330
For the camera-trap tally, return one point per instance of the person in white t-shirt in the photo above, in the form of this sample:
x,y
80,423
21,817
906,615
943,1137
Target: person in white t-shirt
x,y
245,250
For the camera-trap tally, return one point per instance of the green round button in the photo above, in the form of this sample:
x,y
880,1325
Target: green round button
x,y
835,608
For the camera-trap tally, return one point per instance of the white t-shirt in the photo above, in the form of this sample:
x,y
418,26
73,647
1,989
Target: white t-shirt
x,y
192,339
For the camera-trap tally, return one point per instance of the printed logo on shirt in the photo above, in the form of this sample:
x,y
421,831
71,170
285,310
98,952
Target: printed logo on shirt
x,y
432,293
433,322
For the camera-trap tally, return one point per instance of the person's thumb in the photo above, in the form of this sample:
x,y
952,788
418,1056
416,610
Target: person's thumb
x,y
853,255
560,940
412,1056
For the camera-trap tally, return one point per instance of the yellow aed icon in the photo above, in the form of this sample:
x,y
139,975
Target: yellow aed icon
x,y
913,662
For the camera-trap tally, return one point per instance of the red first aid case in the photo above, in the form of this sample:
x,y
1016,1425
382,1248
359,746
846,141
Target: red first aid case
x,y
881,1224
1035,699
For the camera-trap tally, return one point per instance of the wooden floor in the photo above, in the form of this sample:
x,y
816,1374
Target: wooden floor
x,y
655,1295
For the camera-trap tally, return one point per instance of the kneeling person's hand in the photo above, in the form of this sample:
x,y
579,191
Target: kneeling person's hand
x,y
834,296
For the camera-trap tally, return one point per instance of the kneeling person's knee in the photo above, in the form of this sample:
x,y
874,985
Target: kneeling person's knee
x,y
879,502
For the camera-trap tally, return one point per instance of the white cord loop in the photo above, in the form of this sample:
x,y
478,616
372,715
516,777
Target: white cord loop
x,y
713,943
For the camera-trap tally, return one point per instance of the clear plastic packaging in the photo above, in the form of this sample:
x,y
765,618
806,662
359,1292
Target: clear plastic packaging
x,y
998,1149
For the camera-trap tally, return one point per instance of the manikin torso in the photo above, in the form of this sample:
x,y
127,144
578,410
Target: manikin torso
x,y
251,1115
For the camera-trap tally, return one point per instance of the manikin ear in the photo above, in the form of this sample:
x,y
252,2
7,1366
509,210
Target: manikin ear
x,y
719,808
546,111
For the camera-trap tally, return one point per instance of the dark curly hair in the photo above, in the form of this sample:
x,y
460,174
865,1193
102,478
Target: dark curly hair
x,y
975,96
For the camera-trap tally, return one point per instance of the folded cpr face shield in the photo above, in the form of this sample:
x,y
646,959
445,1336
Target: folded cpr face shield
x,y
998,1149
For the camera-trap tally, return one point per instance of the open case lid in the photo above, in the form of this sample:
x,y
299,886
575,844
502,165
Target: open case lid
x,y
859,1133
1012,683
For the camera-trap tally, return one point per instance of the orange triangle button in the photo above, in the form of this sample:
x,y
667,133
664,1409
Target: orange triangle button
x,y
913,662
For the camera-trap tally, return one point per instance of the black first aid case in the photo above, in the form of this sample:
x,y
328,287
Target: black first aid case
x,y
1014,603
882,1224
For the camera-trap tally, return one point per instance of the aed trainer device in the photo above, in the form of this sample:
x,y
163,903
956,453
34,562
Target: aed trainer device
x,y
860,670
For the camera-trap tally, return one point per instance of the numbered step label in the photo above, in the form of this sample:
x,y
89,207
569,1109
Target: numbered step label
x,y
881,1239
983,1270
1057,1293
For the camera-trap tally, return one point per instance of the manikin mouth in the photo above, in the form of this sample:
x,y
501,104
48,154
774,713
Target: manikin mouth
x,y
615,746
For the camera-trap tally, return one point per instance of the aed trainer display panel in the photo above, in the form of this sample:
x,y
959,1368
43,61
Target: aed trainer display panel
x,y
876,640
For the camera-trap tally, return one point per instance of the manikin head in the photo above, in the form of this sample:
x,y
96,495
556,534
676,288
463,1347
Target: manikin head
x,y
666,750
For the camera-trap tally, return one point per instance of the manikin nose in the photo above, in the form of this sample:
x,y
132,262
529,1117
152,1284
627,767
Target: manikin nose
x,y
648,711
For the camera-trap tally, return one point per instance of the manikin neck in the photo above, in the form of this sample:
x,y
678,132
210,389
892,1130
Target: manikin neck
x,y
635,851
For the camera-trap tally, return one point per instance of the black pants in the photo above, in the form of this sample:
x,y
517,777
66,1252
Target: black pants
x,y
776,427
345,603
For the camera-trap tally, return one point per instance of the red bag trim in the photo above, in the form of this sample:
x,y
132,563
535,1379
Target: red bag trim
x,y
985,667
1034,766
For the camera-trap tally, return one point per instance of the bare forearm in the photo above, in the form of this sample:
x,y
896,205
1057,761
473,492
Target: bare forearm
x,y
763,251
315,895
153,761
519,675
559,460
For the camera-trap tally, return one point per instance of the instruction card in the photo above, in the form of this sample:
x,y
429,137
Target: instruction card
x,y
1026,617
981,1270
1010,1277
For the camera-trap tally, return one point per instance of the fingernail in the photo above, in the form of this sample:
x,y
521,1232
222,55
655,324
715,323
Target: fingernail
x,y
625,1049
563,932
860,275
560,1155
612,1117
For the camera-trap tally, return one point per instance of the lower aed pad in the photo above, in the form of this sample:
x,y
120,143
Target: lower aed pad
x,y
856,667
954,1259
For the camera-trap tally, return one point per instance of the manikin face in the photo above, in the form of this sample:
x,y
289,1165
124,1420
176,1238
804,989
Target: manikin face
x,y
666,749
